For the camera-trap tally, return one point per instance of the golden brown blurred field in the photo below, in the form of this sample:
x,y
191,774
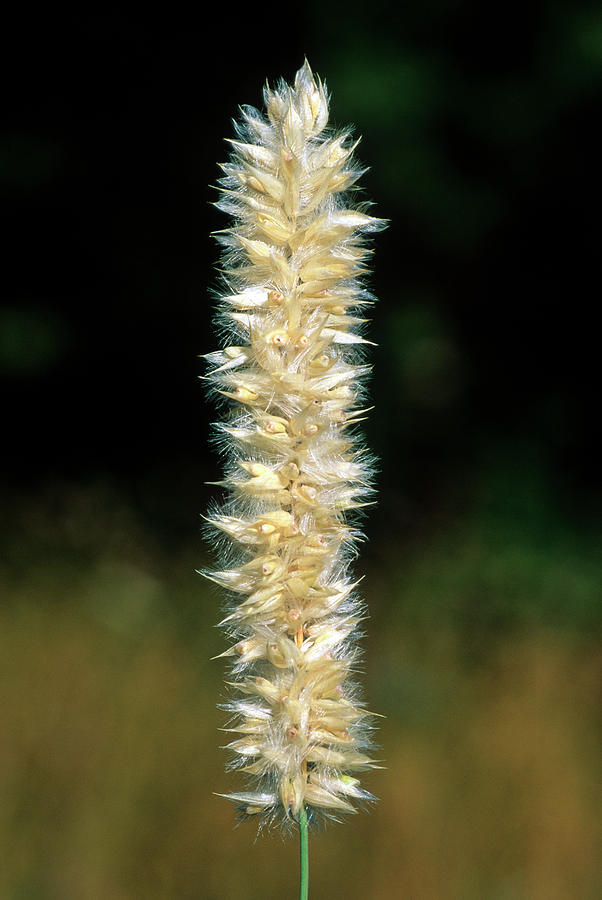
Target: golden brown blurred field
x,y
110,749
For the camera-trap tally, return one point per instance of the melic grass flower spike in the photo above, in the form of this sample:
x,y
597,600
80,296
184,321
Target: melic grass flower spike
x,y
291,375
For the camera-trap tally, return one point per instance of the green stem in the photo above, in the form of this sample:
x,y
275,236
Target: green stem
x,y
304,855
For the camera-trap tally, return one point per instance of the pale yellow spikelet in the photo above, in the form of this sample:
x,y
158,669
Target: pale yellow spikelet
x,y
292,378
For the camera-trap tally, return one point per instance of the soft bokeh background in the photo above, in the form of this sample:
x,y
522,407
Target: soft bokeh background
x,y
482,560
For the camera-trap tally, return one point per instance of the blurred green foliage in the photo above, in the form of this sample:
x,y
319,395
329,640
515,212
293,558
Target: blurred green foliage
x,y
31,340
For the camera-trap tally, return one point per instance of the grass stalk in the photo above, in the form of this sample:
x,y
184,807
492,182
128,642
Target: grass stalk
x,y
303,855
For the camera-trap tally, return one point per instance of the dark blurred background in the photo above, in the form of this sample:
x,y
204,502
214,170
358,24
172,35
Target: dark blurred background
x,y
482,560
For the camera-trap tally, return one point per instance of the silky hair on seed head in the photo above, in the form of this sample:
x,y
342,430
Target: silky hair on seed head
x,y
290,380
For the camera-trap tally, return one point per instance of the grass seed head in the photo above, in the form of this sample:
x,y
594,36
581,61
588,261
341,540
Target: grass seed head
x,y
292,374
